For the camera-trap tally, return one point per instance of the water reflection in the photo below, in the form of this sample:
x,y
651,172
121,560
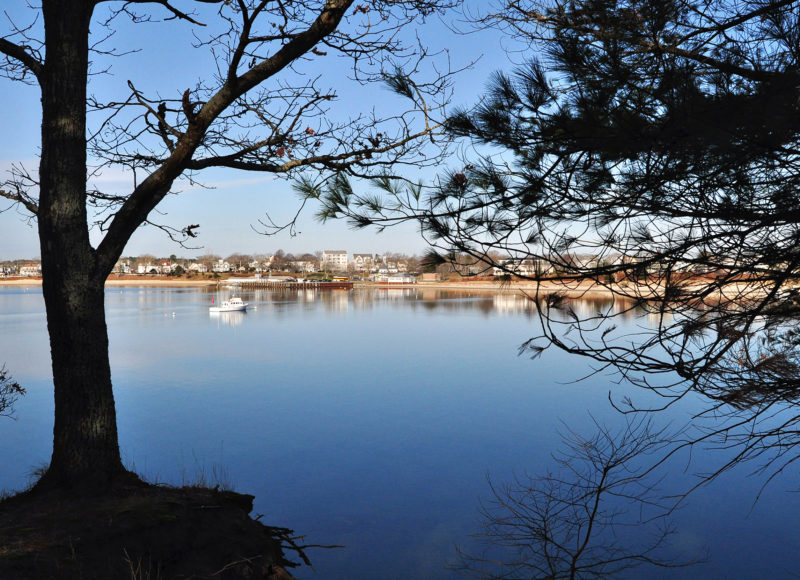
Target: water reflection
x,y
367,418
594,513
235,318
146,299
335,300
513,304
429,299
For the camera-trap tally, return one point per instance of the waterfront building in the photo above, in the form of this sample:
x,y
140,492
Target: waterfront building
x,y
334,260
31,270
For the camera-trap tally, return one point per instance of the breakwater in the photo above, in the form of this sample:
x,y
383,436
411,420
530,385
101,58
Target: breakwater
x,y
289,284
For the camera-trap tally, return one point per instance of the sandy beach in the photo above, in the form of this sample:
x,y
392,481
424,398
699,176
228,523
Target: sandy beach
x,y
181,283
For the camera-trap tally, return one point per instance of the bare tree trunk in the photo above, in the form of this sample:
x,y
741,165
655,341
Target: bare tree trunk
x,y
85,448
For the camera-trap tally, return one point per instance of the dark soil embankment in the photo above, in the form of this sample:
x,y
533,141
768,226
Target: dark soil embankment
x,y
144,532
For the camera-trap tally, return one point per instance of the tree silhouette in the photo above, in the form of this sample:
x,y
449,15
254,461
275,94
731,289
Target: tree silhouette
x,y
650,149
255,110
576,521
10,391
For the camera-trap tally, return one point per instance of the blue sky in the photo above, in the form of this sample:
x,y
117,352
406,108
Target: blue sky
x,y
228,211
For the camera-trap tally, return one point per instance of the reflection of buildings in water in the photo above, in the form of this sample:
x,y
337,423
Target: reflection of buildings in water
x,y
227,318
399,293
334,300
657,319
259,295
512,303
362,300
593,306
278,299
430,294
587,306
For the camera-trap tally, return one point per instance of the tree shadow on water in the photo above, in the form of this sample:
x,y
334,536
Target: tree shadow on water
x,y
598,513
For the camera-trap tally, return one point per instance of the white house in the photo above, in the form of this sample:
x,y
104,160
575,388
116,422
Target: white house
x,y
520,267
306,266
147,268
31,270
166,267
334,260
362,262
123,267
221,266
401,278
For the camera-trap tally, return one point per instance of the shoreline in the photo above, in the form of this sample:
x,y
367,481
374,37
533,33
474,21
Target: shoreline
x,y
570,289
118,282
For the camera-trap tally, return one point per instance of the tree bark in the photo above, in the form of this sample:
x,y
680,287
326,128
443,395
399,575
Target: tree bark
x,y
85,446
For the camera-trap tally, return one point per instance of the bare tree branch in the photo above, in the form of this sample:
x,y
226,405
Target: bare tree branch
x,y
197,131
10,391
23,56
652,153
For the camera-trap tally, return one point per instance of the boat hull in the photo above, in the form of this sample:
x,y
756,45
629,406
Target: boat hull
x,y
234,304
241,308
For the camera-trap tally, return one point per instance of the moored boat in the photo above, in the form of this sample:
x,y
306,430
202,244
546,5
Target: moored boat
x,y
232,304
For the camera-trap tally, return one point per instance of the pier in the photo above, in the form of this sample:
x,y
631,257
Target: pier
x,y
286,284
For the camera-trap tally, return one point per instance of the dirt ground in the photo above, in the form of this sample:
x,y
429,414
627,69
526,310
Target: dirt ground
x,y
146,532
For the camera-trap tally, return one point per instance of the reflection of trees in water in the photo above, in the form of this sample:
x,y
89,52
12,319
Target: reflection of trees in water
x,y
427,298
651,148
736,362
753,417
595,514
488,302
589,307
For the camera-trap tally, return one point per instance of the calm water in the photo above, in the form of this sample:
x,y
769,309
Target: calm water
x,y
366,419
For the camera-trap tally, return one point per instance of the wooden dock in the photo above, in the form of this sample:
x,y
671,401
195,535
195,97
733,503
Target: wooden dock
x,y
273,284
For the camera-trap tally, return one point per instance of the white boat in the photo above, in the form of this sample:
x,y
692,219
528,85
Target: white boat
x,y
232,304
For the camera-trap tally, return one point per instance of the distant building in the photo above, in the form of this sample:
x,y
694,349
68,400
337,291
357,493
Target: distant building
x,y
401,278
528,267
221,266
334,260
147,268
306,266
362,262
122,267
31,270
